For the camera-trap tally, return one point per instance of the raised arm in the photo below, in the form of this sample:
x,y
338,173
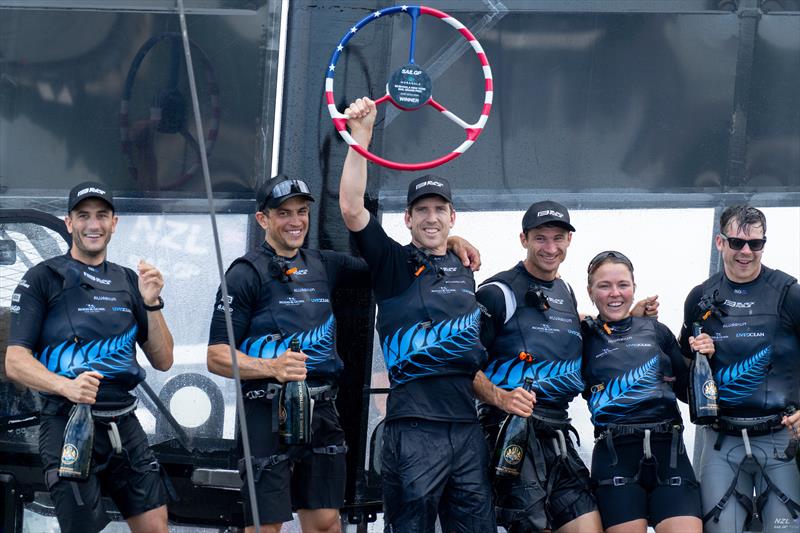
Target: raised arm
x,y
353,184
159,345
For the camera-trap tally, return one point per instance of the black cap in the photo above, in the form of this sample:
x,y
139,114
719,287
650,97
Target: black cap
x,y
546,212
428,185
277,190
89,189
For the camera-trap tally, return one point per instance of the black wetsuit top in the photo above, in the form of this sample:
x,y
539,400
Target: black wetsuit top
x,y
76,317
270,308
634,374
429,325
756,363
551,336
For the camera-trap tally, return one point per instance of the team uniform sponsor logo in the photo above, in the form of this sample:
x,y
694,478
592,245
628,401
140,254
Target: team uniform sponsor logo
x,y
443,290
575,332
221,307
102,281
734,324
24,284
640,345
558,318
621,339
750,334
304,289
290,301
15,297
558,301
320,300
15,309
429,182
121,309
87,190
605,352
739,305
91,308
550,212
104,298
546,328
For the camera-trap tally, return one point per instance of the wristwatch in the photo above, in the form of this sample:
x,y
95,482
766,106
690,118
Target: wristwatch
x,y
159,306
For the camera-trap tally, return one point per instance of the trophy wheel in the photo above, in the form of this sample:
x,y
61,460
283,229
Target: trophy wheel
x,y
409,88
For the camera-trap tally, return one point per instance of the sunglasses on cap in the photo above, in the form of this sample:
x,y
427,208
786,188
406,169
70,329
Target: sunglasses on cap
x,y
594,264
284,188
756,245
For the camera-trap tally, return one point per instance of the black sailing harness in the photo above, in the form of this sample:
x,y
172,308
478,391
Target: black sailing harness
x,y
746,428
556,429
647,475
270,393
108,419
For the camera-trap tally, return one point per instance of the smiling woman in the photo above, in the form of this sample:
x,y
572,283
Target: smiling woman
x,y
634,373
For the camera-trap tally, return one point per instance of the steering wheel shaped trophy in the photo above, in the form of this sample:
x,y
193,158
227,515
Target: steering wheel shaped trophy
x,y
409,88
169,109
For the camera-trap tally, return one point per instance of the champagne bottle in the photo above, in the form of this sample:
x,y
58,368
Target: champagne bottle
x,y
512,441
703,409
295,409
76,455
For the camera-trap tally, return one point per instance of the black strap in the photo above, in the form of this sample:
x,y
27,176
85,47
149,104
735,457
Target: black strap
x,y
761,499
261,463
611,450
332,449
743,500
51,478
754,427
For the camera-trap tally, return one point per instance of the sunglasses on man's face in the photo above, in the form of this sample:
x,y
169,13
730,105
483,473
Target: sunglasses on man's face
x,y
756,245
283,188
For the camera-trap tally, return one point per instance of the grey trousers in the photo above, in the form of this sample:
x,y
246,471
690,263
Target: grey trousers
x,y
716,470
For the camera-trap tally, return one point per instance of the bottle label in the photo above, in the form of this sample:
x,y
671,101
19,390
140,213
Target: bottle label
x,y
513,454
69,454
710,390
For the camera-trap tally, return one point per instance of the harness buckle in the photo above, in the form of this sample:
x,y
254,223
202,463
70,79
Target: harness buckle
x,y
255,394
619,481
783,498
675,481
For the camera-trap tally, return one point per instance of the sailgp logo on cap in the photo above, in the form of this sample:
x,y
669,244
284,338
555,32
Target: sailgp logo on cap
x,y
429,182
88,190
550,212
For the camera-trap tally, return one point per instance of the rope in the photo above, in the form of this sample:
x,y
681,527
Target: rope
x,y
248,460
